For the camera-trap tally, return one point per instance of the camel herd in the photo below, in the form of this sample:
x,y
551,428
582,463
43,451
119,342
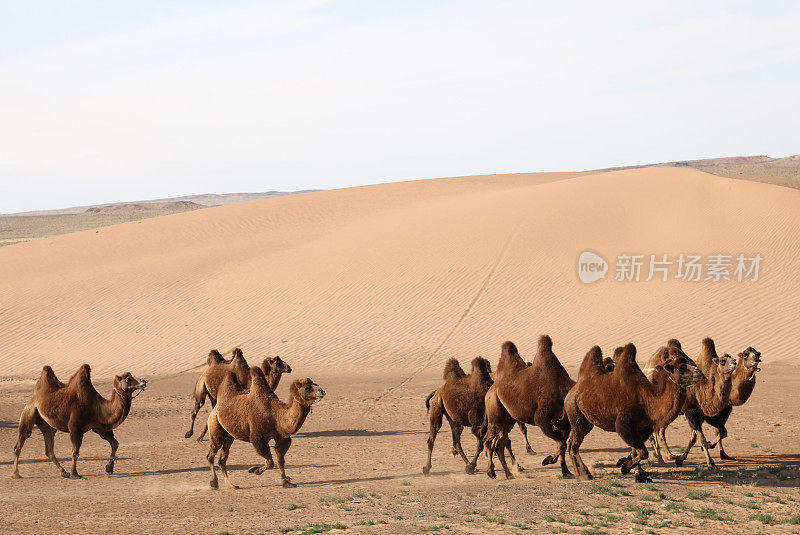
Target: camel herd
x,y
612,393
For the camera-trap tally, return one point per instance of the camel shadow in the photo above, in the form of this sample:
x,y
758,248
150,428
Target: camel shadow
x,y
231,467
63,460
346,481
8,424
358,433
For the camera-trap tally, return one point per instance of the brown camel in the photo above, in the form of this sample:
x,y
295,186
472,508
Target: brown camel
x,y
742,384
460,400
626,402
530,394
211,378
75,408
256,415
707,398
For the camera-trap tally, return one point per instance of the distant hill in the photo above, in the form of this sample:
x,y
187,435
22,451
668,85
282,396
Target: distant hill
x,y
779,171
144,208
205,199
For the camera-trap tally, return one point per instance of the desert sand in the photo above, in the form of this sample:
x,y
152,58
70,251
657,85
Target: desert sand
x,y
368,291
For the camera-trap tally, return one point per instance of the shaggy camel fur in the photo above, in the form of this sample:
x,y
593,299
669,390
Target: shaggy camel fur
x,y
706,399
460,400
257,416
742,384
75,408
626,402
530,394
209,382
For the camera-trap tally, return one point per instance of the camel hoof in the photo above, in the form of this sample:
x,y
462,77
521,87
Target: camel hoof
x,y
642,477
288,484
712,464
678,461
231,486
75,475
188,434
214,484
567,475
585,477
725,457
16,475
548,460
109,469
253,469
470,469
426,470
491,474
711,446
64,474
621,461
510,476
625,469
530,451
520,468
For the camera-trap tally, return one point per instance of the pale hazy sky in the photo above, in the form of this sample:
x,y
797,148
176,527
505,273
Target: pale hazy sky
x,y
111,101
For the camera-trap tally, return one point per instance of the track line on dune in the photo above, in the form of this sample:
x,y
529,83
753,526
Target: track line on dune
x,y
458,323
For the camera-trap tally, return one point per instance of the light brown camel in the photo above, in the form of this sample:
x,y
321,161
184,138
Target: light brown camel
x,y
626,402
212,376
742,384
75,408
707,398
460,400
530,394
256,415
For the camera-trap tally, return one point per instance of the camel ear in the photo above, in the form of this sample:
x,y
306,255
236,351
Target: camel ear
x,y
118,378
715,360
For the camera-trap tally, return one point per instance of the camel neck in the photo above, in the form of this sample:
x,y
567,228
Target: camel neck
x,y
273,378
293,417
664,401
114,411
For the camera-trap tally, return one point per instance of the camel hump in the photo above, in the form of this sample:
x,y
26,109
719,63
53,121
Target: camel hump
x,y
215,357
81,383
627,356
453,370
48,379
258,383
592,362
545,344
238,358
673,342
229,386
708,346
481,368
509,349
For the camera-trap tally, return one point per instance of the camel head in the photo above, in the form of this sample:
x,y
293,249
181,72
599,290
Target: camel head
x,y
306,391
750,359
673,342
726,365
683,373
276,365
127,384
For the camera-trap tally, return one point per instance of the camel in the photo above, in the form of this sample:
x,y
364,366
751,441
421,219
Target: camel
x,y
256,415
707,398
742,384
530,394
460,400
75,408
626,402
211,378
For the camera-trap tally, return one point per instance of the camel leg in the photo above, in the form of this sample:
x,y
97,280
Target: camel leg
x,y
456,430
627,431
76,437
281,447
654,443
489,442
108,436
261,446
513,458
26,421
579,428
199,400
216,438
222,462
471,466
205,427
704,443
682,457
501,446
524,429
662,435
436,412
49,435
542,419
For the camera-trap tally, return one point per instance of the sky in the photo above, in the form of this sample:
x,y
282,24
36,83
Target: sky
x,y
113,101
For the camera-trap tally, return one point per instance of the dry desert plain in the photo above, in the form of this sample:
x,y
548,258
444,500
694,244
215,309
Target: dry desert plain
x,y
368,291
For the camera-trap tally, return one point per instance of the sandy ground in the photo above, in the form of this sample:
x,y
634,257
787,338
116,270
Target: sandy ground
x,y
358,464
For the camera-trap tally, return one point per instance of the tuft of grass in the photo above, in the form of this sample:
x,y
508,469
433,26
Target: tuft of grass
x,y
698,494
405,483
750,504
764,519
594,530
708,513
640,513
321,527
793,520
609,489
676,506
293,506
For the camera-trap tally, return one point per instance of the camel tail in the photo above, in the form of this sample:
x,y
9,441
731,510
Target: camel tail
x,y
428,400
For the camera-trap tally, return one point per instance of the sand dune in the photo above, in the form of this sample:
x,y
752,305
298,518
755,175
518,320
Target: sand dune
x,y
402,276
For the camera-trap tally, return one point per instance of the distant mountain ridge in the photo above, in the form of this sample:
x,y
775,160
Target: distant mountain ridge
x,y
204,199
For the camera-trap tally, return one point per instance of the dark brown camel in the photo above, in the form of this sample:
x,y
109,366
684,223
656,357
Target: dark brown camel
x,y
256,415
530,394
212,376
75,408
626,402
460,400
742,384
